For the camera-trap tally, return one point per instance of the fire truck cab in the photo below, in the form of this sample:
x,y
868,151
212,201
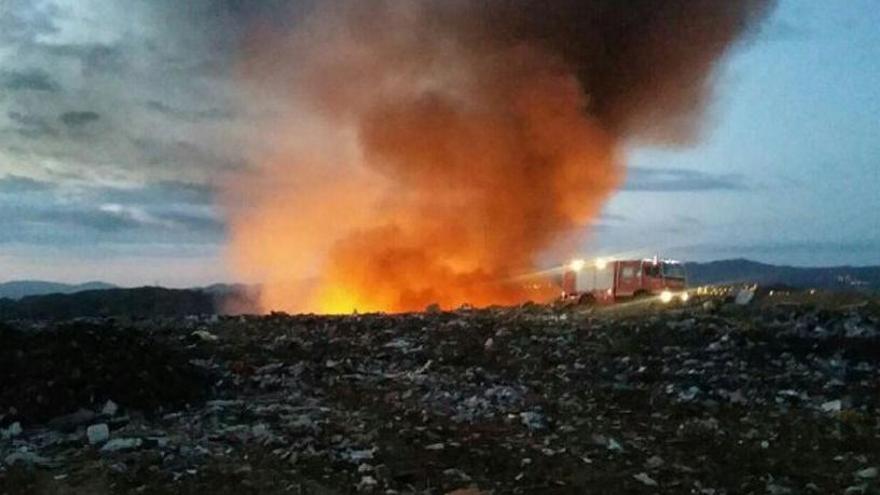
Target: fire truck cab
x,y
608,281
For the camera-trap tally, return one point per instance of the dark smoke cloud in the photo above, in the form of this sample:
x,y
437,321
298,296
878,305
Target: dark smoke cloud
x,y
646,65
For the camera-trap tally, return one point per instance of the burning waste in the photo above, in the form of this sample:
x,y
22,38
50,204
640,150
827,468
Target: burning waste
x,y
429,151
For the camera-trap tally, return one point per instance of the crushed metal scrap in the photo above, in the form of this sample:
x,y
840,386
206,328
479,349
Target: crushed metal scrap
x,y
702,398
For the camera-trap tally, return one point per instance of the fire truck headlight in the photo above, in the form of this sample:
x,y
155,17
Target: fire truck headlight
x,y
577,265
684,297
601,263
666,297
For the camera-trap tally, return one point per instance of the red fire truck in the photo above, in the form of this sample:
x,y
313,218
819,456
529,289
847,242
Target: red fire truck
x,y
606,281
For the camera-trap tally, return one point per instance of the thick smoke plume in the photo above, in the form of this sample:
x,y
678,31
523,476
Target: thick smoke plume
x,y
432,150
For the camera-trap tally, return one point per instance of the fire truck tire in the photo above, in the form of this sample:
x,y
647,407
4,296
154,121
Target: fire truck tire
x,y
641,294
586,300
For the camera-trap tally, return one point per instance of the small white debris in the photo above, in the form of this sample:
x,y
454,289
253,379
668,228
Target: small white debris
x,y
774,489
205,335
367,482
26,457
98,433
645,479
832,406
118,444
456,473
867,473
13,431
358,456
532,420
435,446
745,296
689,394
654,462
110,408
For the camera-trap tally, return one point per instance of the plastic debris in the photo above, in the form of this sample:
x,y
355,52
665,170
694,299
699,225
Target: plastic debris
x,y
98,433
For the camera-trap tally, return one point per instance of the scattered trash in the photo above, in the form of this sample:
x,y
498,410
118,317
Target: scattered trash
x,y
645,479
471,401
25,457
614,445
121,444
98,433
533,420
358,456
205,335
745,296
13,431
110,408
776,489
832,406
654,462
867,473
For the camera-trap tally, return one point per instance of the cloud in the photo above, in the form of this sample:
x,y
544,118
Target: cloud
x,y
31,126
22,21
78,119
91,60
163,192
16,184
201,223
643,179
30,80
179,153
99,220
188,115
95,58
43,213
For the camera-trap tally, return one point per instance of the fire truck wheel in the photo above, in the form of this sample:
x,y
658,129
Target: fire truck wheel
x,y
641,294
586,300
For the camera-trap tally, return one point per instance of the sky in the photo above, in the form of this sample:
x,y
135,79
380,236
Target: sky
x,y
118,120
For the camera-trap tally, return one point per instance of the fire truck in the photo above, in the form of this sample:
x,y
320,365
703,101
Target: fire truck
x,y
606,281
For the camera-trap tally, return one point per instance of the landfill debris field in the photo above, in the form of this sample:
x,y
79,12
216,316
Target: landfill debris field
x,y
711,397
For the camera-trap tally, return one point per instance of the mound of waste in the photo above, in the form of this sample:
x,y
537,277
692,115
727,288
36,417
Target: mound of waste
x,y
770,395
67,369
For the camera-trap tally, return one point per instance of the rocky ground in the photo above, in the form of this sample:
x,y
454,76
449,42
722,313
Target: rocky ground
x,y
708,398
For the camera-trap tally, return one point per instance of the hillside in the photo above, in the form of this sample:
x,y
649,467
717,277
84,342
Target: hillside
x,y
22,288
740,271
136,303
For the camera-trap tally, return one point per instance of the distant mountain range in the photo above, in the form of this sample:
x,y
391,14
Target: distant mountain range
x,y
46,300
23,288
842,278
143,302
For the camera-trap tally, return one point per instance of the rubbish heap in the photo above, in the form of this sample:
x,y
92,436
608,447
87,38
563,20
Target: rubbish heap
x,y
709,398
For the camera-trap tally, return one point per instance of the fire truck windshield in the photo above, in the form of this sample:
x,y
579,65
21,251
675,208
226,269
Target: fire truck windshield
x,y
673,270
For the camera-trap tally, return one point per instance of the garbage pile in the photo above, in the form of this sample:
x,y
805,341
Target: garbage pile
x,y
79,366
705,398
